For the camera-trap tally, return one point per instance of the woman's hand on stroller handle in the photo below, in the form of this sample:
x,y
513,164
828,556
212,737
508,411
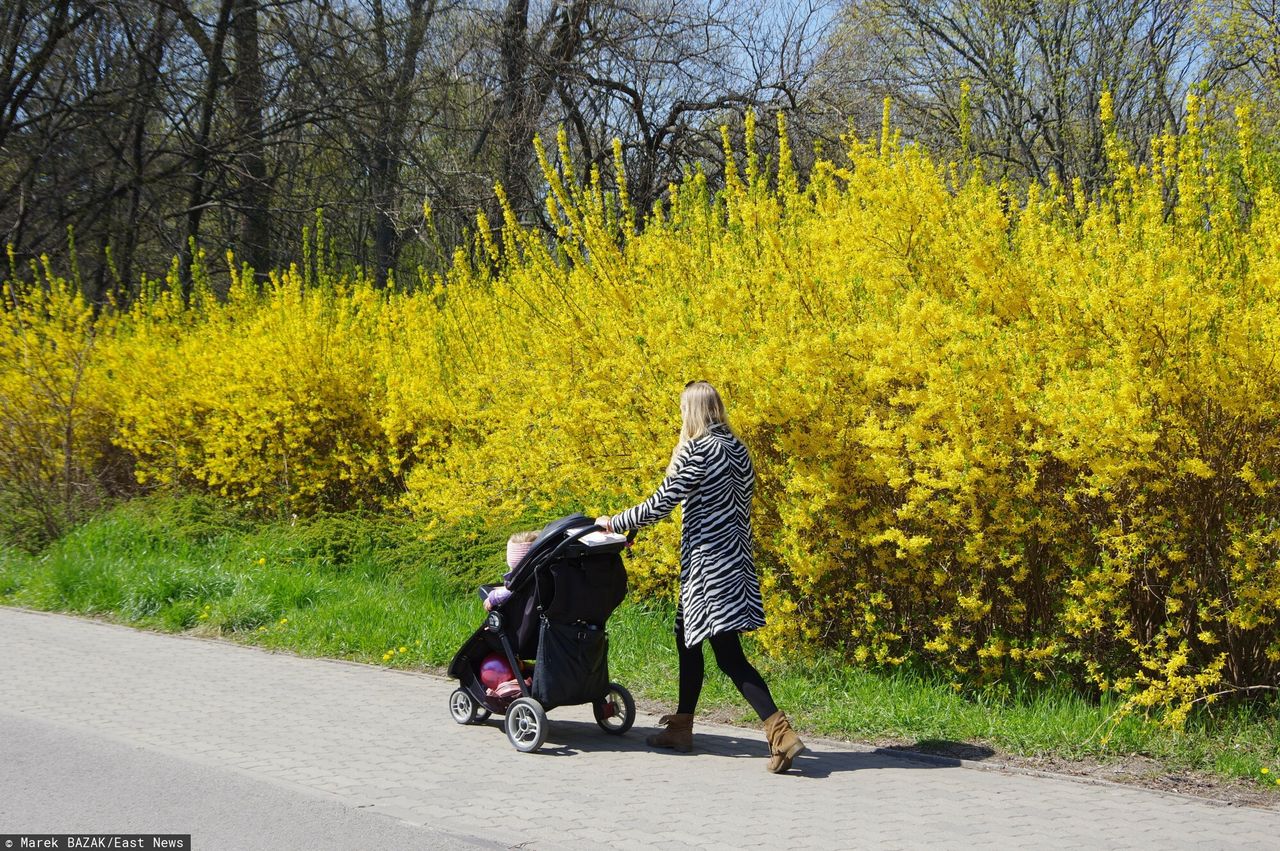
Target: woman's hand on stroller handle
x,y
605,522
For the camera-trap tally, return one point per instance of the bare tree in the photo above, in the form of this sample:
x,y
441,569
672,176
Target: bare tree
x,y
30,37
661,75
1023,79
1244,44
147,127
531,64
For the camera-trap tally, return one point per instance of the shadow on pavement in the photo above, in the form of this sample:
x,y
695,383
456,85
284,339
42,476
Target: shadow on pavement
x,y
569,738
947,748
824,763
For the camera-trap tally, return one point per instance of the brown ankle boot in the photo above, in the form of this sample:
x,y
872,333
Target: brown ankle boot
x,y
784,744
678,735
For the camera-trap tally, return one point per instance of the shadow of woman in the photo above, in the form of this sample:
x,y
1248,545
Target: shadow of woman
x,y
569,738
823,762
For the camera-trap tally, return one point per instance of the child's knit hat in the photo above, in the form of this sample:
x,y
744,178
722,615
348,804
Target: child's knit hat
x,y
516,550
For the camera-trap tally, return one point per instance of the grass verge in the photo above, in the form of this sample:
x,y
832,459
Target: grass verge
x,y
371,590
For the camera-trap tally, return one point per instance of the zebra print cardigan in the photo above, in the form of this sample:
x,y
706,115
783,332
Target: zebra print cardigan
x,y
719,589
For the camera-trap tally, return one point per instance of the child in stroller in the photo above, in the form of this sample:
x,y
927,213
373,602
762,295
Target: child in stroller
x,y
561,593
518,546
500,681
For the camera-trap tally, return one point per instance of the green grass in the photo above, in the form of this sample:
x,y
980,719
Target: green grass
x,y
362,588
334,587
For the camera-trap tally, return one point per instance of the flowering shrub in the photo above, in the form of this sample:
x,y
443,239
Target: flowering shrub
x,y
54,419
272,397
1035,435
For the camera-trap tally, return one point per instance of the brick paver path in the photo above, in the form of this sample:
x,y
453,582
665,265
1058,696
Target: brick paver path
x,y
383,739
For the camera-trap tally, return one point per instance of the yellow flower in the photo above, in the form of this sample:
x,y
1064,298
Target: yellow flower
x,y
262,561
1266,770
284,621
402,649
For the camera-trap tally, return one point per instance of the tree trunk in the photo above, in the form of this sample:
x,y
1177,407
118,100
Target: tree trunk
x,y
248,95
197,195
143,101
388,149
528,78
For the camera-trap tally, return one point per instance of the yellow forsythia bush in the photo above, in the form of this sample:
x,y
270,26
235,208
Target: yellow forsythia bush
x,y
1033,434
55,421
264,397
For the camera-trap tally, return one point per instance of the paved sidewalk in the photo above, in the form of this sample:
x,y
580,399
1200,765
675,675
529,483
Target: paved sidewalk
x,y
383,740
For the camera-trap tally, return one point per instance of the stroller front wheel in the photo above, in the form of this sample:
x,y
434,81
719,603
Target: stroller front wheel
x,y
616,711
463,707
526,724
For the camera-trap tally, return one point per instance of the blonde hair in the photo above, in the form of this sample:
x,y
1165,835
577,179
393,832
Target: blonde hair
x,y
523,537
700,408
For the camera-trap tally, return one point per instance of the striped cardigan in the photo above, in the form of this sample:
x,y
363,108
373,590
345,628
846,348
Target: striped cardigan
x,y
719,589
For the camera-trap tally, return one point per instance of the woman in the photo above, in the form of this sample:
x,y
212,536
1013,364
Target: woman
x,y
711,473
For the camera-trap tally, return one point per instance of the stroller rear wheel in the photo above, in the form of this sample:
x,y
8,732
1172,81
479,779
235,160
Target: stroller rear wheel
x,y
616,711
526,724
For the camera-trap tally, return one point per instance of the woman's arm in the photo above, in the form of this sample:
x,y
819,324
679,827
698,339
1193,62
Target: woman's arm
x,y
687,475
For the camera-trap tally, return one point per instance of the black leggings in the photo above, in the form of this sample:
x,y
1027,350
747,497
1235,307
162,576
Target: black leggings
x,y
729,657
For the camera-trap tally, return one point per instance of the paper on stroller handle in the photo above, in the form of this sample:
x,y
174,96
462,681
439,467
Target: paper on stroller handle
x,y
597,538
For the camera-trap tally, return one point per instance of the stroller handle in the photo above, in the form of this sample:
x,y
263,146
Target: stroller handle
x,y
560,547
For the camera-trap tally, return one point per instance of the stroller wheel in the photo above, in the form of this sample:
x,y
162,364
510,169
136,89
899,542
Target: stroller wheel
x,y
616,711
526,724
463,707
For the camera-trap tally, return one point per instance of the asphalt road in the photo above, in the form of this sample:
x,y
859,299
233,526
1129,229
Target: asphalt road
x,y
56,779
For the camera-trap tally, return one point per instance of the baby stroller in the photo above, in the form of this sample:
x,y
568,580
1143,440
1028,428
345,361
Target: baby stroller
x,y
562,593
